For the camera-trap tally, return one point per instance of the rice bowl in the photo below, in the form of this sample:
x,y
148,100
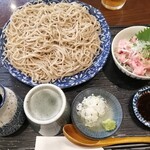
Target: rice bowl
x,y
127,34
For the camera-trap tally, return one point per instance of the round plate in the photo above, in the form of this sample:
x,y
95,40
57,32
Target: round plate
x,y
82,76
114,107
135,99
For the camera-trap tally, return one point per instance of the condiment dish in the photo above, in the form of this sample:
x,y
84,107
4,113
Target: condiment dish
x,y
113,111
141,105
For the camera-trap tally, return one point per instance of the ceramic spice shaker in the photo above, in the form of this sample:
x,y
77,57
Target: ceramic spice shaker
x,y
12,114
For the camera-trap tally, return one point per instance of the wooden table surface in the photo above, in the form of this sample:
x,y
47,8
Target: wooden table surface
x,y
134,12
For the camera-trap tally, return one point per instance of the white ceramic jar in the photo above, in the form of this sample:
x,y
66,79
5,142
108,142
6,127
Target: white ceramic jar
x,y
12,114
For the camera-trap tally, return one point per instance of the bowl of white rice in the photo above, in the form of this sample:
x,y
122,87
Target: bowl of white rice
x,y
96,113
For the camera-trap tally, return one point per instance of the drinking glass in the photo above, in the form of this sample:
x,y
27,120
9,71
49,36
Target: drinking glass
x,y
113,4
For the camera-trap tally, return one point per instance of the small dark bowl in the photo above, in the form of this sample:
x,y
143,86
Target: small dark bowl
x,y
141,105
97,132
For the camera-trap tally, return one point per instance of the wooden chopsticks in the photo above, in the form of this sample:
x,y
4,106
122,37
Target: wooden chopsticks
x,y
134,146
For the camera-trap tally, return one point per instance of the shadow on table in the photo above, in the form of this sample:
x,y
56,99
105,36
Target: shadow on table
x,y
120,79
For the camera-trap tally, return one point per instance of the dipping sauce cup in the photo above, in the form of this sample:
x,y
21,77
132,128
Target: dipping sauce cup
x,y
46,108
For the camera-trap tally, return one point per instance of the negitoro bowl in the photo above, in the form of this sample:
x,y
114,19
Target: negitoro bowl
x,y
126,33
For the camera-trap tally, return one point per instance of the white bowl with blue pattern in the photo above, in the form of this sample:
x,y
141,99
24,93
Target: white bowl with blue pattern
x,y
135,100
82,76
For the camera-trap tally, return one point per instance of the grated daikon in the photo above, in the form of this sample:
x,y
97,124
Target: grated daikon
x,y
91,109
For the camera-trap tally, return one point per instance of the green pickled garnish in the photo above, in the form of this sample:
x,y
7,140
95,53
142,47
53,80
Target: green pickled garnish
x,y
144,36
109,124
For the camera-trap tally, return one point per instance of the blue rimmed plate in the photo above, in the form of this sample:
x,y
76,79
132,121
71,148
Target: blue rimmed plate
x,y
113,112
135,102
82,76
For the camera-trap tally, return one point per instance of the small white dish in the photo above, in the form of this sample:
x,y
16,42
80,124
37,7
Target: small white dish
x,y
126,33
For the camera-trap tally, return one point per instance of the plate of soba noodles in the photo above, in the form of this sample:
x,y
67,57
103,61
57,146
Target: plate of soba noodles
x,y
65,43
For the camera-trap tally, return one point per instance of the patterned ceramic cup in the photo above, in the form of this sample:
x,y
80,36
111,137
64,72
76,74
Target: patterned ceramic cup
x,y
47,109
12,114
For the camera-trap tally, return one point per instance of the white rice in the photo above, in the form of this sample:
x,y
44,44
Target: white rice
x,y
91,109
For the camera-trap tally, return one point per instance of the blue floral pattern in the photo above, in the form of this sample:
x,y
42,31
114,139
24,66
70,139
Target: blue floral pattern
x,y
81,77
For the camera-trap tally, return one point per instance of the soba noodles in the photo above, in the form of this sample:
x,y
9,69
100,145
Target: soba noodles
x,y
48,42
